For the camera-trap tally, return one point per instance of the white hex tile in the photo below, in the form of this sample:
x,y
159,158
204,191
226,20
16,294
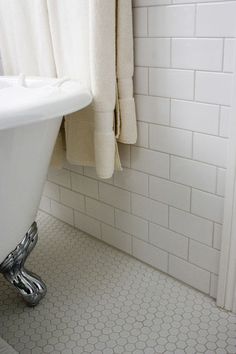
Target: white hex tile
x,y
141,80
59,176
113,302
198,117
153,109
221,175
100,211
194,227
72,199
132,180
204,256
150,209
84,185
171,21
87,224
210,149
198,54
62,212
169,192
217,236
140,22
51,190
212,87
170,140
116,238
152,52
171,83
189,273
142,139
193,173
168,240
207,205
229,55
153,162
225,121
210,23
131,224
114,196
150,254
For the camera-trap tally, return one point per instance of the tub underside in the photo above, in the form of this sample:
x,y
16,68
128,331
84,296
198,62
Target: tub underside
x,y
25,154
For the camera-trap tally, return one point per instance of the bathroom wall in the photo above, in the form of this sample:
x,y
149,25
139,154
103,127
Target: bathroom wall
x,y
166,207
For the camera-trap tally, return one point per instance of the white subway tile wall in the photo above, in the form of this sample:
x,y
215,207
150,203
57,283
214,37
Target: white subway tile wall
x,y
166,207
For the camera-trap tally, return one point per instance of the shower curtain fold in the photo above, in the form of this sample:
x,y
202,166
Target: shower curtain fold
x,y
88,40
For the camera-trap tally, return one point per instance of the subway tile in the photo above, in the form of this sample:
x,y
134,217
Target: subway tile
x,y
117,238
140,80
73,168
72,199
171,83
168,240
210,19
193,173
131,224
190,274
169,192
210,149
45,204
137,3
153,162
171,21
132,180
212,87
59,176
152,109
197,53
114,196
207,205
204,256
150,254
51,190
229,55
62,212
214,286
142,139
192,1
140,22
225,121
217,236
221,175
87,224
100,211
91,172
84,185
198,117
194,227
170,140
152,52
150,209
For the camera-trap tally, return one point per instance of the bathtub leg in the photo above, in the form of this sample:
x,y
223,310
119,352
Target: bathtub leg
x,y
29,285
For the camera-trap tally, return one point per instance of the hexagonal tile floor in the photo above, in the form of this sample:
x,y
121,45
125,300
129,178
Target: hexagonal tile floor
x,y
101,300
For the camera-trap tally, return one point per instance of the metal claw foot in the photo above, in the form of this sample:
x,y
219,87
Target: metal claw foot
x,y
29,285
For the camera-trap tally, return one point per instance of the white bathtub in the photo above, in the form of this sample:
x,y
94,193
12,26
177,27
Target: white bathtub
x,y
29,124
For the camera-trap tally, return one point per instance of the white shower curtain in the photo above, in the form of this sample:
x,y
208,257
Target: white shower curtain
x,y
88,40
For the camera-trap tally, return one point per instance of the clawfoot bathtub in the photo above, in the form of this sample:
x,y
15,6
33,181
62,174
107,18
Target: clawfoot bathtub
x,y
31,112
